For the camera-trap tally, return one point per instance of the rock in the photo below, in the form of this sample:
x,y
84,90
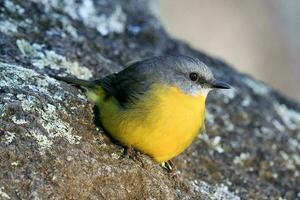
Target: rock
x,y
51,148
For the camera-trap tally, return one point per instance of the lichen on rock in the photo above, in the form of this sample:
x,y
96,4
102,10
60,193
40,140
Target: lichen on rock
x,y
8,27
3,194
15,78
85,11
51,146
45,58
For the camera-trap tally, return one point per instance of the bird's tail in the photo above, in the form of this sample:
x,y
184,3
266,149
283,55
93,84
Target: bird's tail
x,y
94,91
75,81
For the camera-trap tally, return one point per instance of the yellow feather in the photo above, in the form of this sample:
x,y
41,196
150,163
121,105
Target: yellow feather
x,y
162,123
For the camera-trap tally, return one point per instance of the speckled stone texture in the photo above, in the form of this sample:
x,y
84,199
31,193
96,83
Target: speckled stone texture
x,y
51,148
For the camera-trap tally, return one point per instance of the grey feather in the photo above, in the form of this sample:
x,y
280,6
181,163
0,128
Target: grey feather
x,y
134,81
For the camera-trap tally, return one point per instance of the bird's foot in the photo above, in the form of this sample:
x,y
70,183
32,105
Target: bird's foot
x,y
133,154
174,175
169,166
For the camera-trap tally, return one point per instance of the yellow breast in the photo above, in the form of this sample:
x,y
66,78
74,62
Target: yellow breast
x,y
162,123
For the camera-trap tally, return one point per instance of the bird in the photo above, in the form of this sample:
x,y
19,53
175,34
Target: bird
x,y
155,106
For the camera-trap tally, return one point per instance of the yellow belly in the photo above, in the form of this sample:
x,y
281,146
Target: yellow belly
x,y
162,124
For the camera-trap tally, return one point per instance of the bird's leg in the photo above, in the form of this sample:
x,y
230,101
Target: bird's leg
x,y
169,166
171,169
133,154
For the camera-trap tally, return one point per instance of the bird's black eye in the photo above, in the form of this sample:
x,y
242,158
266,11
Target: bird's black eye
x,y
194,76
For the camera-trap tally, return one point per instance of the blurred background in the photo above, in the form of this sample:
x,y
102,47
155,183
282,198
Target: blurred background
x,y
260,38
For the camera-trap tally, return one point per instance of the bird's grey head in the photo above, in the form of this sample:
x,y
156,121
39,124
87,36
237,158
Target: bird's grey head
x,y
189,74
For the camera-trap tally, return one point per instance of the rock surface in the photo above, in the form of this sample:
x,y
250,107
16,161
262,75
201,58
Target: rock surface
x,y
50,147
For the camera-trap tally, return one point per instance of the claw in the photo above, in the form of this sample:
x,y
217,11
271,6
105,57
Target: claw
x,y
169,166
133,154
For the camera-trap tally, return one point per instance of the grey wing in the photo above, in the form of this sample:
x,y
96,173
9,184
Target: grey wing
x,y
128,85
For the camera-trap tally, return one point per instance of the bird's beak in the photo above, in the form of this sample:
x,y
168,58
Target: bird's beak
x,y
220,85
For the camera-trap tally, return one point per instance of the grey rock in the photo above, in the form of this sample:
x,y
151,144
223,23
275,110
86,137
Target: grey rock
x,y
51,147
